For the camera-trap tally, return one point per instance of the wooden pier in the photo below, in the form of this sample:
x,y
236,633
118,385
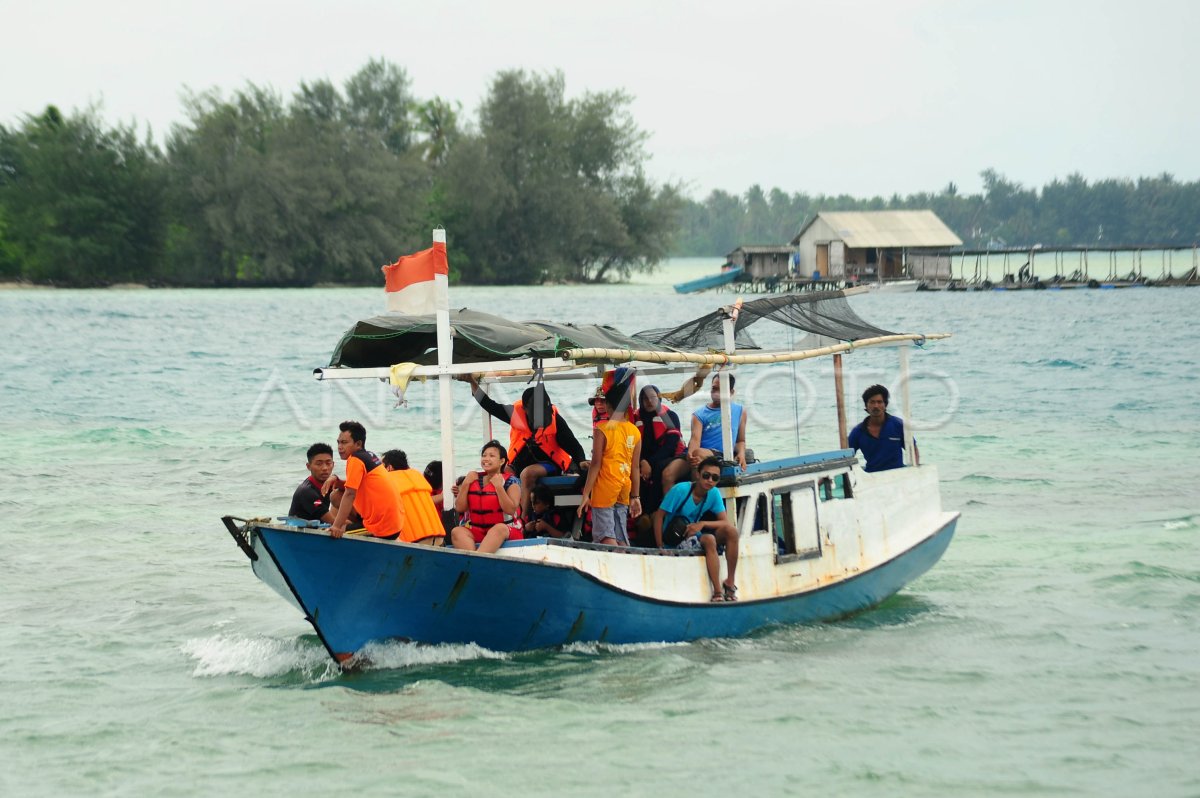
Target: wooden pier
x,y
1074,267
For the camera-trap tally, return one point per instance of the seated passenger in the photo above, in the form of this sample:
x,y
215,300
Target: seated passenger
x,y
608,491
880,436
664,455
491,498
692,516
368,489
546,520
433,475
540,441
308,502
706,428
422,522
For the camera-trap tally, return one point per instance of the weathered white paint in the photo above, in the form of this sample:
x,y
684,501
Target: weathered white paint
x,y
891,512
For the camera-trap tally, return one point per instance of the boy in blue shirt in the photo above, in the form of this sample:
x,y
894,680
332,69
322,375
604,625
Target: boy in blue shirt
x,y
692,516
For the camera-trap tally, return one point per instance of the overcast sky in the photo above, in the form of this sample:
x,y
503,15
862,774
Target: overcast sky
x,y
863,98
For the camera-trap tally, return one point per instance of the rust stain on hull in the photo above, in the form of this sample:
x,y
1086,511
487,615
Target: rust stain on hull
x,y
456,591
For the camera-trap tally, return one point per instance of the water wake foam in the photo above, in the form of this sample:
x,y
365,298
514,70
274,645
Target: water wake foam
x,y
617,648
262,657
388,655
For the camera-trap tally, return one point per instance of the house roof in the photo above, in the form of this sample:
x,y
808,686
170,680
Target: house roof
x,y
886,229
764,249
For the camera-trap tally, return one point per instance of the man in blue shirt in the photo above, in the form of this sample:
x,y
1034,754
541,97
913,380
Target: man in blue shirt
x,y
692,516
880,436
706,439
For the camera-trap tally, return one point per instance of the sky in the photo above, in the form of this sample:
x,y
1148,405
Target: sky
x,y
858,97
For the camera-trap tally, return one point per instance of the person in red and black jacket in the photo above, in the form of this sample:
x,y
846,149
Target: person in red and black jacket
x,y
664,454
308,502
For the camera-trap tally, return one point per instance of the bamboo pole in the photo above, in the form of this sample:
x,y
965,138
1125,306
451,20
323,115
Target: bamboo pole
x,y
840,391
720,358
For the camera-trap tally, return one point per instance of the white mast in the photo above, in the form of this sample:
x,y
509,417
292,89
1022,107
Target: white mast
x,y
728,436
906,383
445,348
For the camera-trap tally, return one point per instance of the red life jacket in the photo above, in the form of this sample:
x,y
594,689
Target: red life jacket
x,y
546,438
484,511
661,427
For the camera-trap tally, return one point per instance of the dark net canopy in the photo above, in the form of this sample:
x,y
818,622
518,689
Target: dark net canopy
x,y
824,313
394,338
478,337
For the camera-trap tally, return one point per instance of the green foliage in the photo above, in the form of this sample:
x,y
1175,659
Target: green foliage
x,y
265,193
1155,211
79,205
552,188
330,183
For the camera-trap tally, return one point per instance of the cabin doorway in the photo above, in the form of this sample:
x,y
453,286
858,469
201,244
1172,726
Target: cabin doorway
x,y
794,521
823,259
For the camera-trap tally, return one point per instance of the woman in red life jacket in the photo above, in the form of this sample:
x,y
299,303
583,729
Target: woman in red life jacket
x,y
491,498
541,442
664,454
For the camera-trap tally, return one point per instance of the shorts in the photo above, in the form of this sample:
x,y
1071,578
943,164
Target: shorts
x,y
552,470
516,529
611,522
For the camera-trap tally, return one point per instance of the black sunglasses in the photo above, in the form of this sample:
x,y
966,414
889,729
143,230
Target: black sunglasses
x,y
710,476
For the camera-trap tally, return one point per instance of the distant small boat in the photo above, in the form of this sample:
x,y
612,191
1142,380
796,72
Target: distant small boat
x,y
712,281
896,286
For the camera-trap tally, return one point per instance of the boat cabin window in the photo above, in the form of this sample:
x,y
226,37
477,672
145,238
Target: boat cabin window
x,y
759,522
835,487
794,517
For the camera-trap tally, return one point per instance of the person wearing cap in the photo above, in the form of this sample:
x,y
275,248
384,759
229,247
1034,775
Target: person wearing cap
x,y
609,490
623,376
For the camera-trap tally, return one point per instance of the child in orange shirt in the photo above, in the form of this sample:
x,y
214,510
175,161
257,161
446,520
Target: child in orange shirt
x,y
608,490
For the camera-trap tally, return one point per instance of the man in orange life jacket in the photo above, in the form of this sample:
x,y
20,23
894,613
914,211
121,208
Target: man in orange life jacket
x,y
541,442
367,487
422,522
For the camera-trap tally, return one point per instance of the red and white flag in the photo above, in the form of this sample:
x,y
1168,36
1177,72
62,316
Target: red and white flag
x,y
413,282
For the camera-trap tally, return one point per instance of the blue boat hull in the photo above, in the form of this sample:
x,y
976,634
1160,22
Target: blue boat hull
x,y
355,592
711,281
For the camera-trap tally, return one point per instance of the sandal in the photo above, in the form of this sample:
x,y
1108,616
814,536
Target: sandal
x,y
729,592
717,598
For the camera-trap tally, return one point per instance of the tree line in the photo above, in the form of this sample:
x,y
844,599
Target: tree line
x,y
1150,210
332,182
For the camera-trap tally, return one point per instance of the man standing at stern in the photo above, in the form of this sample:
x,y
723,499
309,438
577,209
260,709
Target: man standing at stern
x,y
880,436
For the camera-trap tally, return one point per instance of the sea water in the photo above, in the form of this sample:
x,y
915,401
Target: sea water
x,y
1054,650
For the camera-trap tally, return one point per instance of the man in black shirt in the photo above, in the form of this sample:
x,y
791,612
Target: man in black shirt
x,y
308,502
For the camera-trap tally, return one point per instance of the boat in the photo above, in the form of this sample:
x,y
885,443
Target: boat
x,y
724,277
820,539
898,286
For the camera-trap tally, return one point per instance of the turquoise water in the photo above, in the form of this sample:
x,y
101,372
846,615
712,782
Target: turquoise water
x,y
1053,651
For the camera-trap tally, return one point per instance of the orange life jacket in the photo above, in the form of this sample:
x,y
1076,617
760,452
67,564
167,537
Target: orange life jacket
x,y
546,438
421,519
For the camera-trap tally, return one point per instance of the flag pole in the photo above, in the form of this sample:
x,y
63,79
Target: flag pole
x,y
445,350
